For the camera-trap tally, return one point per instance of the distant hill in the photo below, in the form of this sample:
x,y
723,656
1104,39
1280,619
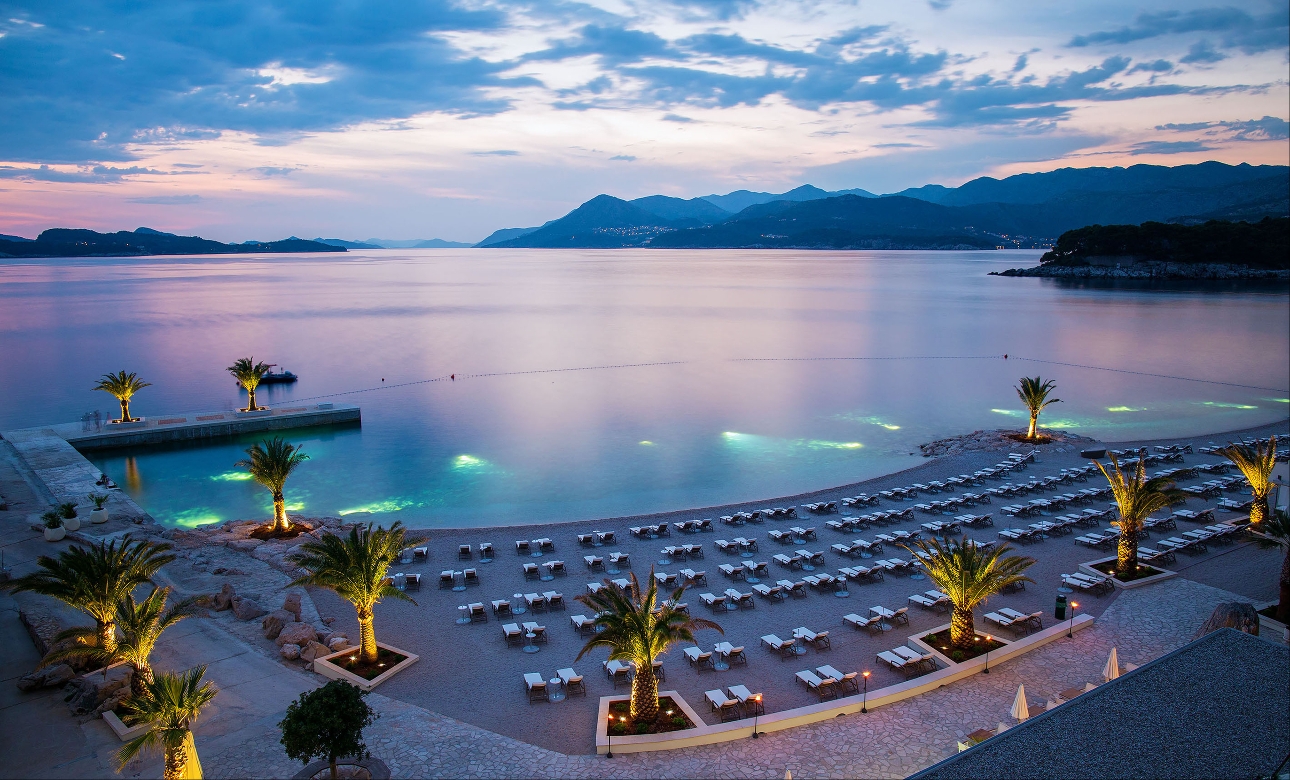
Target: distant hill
x,y
678,208
506,234
739,200
4,237
1263,244
65,242
603,222
415,243
347,244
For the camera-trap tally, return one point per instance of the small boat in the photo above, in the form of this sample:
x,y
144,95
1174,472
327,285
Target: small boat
x,y
283,377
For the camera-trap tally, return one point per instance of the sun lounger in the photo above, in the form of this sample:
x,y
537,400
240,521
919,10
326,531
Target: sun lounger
x,y
999,620
895,661
573,682
726,707
713,602
536,687
531,571
874,622
538,632
594,562
922,661
470,577
824,687
554,600
477,613
511,633
522,547
769,593
582,624
750,702
619,559
693,577
617,672
698,659
785,648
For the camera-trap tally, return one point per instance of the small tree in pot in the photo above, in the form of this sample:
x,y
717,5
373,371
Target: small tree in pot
x,y
327,723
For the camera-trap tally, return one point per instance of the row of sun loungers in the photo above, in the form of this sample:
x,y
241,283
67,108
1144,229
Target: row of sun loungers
x,y
739,545
616,559
1020,622
910,662
829,683
822,507
596,538
741,703
693,526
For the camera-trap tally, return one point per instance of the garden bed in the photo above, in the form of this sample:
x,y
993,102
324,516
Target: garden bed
x,y
670,718
1141,573
345,665
940,640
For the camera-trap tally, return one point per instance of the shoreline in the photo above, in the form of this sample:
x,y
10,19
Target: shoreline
x,y
1152,270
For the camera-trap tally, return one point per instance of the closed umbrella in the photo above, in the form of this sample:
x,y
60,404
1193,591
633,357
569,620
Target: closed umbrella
x,y
1020,710
1112,668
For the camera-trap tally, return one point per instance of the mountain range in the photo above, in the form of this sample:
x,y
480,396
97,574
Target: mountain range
x,y
1026,210
66,242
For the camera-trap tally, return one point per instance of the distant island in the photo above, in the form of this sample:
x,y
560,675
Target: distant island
x,y
1217,249
66,242
1025,211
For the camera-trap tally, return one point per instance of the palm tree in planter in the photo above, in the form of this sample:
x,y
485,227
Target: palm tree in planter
x,y
1137,498
170,706
96,579
141,624
1256,464
122,386
637,628
1034,394
270,463
969,575
248,374
355,567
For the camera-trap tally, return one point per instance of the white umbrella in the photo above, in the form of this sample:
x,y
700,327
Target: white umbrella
x,y
788,774
1112,668
1020,710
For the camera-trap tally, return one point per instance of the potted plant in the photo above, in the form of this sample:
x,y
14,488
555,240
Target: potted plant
x,y
99,513
67,510
54,529
328,724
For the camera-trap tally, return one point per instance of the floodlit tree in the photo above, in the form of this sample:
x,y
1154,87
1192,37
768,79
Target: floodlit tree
x,y
327,723
636,627
96,579
248,374
122,386
1256,463
141,624
270,462
1137,498
170,706
1034,394
969,575
355,567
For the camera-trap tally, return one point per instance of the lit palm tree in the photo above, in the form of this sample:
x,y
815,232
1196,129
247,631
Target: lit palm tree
x,y
270,463
355,567
1034,394
248,373
141,625
1276,533
1137,498
170,707
1256,464
96,579
969,575
636,628
123,386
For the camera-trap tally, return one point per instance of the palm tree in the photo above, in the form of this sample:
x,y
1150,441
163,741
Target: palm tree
x,y
96,579
1256,464
1034,393
270,463
141,625
123,386
170,706
355,568
1137,498
636,628
969,575
1276,533
248,374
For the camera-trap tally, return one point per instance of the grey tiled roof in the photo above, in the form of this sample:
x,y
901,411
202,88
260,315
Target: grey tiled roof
x,y
1218,707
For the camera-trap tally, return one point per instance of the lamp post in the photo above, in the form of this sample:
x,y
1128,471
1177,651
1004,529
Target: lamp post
x,y
610,733
756,713
1070,631
864,700
988,640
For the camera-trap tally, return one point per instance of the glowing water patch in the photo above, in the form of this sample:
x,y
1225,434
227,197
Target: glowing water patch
x,y
299,506
1011,412
1277,400
867,420
389,505
835,445
191,518
232,476
647,443
466,461
1060,424
1227,406
1125,409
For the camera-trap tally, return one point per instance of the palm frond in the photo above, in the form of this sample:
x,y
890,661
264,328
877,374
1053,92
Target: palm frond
x,y
270,462
248,372
355,566
634,625
1034,393
170,707
122,385
967,573
1256,463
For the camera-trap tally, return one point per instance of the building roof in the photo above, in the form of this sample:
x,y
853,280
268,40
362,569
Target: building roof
x,y
1215,708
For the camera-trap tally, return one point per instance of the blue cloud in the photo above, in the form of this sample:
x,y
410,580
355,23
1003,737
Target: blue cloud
x,y
1202,52
624,157
168,200
1239,28
497,153
1169,147
1156,66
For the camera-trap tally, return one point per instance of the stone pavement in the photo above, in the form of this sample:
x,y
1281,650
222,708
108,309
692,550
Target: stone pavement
x,y
892,741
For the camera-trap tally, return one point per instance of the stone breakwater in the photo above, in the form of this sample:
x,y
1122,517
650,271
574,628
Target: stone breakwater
x,y
1152,270
983,441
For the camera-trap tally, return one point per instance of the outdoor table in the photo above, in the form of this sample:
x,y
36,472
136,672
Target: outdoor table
x,y
752,569
536,547
464,611
883,613
723,652
517,607
842,592
458,586
531,647
555,689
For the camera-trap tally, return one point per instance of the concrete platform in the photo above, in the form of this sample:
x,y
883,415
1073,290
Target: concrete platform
x,y
201,425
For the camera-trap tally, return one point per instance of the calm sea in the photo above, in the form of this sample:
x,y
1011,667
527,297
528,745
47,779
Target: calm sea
x,y
608,383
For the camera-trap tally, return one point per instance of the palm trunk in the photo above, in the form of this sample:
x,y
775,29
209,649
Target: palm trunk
x,y
280,521
1283,605
1259,509
125,409
250,404
176,760
107,635
962,629
1126,561
1034,423
366,636
644,706
140,679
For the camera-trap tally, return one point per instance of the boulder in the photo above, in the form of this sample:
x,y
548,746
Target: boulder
x,y
297,634
292,604
244,545
49,677
1232,614
274,622
224,599
246,609
85,695
314,650
338,643
290,651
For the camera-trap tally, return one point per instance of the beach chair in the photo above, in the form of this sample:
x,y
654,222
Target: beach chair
x,y
535,685
477,613
587,540
582,624
413,581
617,672
769,593
538,632
620,559
785,648
531,571
512,634
522,548
447,579
470,576
485,551
573,682
797,588
554,599
698,659
826,687
846,683
501,608
726,707
606,537
894,661
713,602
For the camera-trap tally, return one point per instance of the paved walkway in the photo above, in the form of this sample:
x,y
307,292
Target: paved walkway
x,y
893,741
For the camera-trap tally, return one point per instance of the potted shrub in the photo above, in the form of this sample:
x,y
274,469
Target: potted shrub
x,y
99,513
67,511
54,529
328,724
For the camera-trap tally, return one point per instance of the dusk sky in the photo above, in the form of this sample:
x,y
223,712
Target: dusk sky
x,y
239,120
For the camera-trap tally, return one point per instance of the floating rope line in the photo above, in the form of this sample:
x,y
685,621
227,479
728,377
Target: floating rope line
x,y
1158,376
890,357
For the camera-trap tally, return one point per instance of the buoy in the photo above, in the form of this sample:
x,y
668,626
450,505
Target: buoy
x,y
1005,356
453,377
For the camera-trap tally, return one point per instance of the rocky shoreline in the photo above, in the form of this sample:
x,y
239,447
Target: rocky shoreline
x,y
983,441
1152,270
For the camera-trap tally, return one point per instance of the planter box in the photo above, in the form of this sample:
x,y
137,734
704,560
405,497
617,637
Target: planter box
x,y
242,413
944,661
1271,628
331,671
123,732
1164,574
117,425
634,743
